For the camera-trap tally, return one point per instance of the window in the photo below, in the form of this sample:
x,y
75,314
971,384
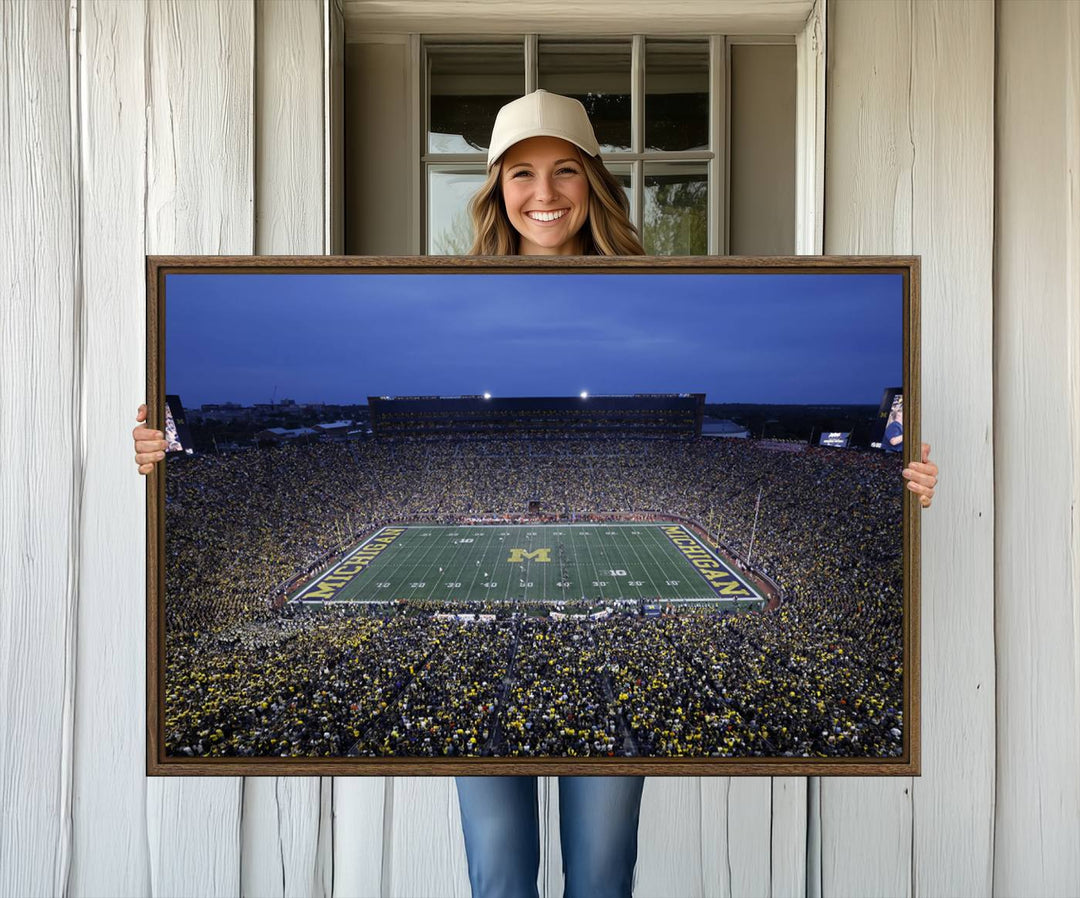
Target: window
x,y
660,108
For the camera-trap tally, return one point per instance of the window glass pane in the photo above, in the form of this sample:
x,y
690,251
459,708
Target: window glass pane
x,y
676,95
449,191
676,209
467,84
623,174
597,74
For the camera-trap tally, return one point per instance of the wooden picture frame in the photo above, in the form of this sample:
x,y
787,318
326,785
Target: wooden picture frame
x,y
752,698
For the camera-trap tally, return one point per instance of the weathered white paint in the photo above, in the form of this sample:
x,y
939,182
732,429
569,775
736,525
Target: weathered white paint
x,y
866,824
788,843
361,806
810,133
1037,365
787,816
672,837
910,169
199,198
557,17
550,875
280,838
109,812
748,813
910,161
423,848
289,128
40,446
282,816
952,128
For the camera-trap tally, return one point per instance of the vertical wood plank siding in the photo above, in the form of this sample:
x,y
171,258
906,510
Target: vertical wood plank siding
x,y
109,812
953,131
866,823
910,169
1037,306
423,848
953,230
282,816
40,446
199,200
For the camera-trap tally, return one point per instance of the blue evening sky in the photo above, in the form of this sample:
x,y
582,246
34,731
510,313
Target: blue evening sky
x,y
761,338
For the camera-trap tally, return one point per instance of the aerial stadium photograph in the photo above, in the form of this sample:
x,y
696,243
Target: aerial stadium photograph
x,y
549,514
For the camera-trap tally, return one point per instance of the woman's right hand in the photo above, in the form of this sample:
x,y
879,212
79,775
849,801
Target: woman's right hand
x,y
149,444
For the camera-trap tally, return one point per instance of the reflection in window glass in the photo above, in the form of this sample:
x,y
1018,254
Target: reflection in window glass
x,y
623,175
676,209
450,231
597,74
467,86
676,95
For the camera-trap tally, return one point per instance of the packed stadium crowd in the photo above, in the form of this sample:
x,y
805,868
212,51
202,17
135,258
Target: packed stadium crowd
x,y
820,676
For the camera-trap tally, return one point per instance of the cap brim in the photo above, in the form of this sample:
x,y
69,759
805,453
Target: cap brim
x,y
496,152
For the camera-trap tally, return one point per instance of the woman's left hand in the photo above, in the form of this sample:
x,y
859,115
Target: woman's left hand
x,y
922,477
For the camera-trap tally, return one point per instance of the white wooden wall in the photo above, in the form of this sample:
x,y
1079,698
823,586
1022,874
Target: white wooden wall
x,y
199,127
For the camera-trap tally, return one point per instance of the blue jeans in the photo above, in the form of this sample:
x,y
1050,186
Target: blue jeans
x,y
598,832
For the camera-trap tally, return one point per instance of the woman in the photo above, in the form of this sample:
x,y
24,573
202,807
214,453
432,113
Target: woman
x,y
548,193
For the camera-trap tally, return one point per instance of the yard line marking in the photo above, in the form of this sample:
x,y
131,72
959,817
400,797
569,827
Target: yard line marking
x,y
647,567
510,570
596,573
433,576
472,583
621,564
663,565
416,560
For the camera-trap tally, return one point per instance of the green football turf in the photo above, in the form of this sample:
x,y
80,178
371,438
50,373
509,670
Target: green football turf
x,y
532,563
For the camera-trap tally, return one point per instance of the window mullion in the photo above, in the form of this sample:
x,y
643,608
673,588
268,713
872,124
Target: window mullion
x,y
421,229
718,167
532,62
637,129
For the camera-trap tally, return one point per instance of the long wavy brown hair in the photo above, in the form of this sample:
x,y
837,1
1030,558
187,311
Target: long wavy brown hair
x,y
607,231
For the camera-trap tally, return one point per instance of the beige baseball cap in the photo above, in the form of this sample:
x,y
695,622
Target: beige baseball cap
x,y
541,114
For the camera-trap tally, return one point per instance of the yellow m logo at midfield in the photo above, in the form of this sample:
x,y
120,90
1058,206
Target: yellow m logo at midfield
x,y
519,555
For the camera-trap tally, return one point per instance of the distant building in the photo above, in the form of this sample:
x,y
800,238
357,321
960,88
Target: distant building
x,y
639,414
335,428
723,427
286,435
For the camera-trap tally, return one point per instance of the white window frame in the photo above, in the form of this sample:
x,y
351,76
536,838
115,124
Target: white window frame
x,y
810,124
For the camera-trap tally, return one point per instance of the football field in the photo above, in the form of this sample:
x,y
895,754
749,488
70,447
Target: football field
x,y
549,563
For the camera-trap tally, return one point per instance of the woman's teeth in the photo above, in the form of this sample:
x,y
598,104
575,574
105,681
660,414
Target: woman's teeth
x,y
546,216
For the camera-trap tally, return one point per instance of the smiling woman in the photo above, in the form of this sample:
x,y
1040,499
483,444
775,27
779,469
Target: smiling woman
x,y
547,190
546,196
548,193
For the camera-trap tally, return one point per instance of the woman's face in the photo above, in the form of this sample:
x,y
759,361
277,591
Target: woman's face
x,y
546,195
